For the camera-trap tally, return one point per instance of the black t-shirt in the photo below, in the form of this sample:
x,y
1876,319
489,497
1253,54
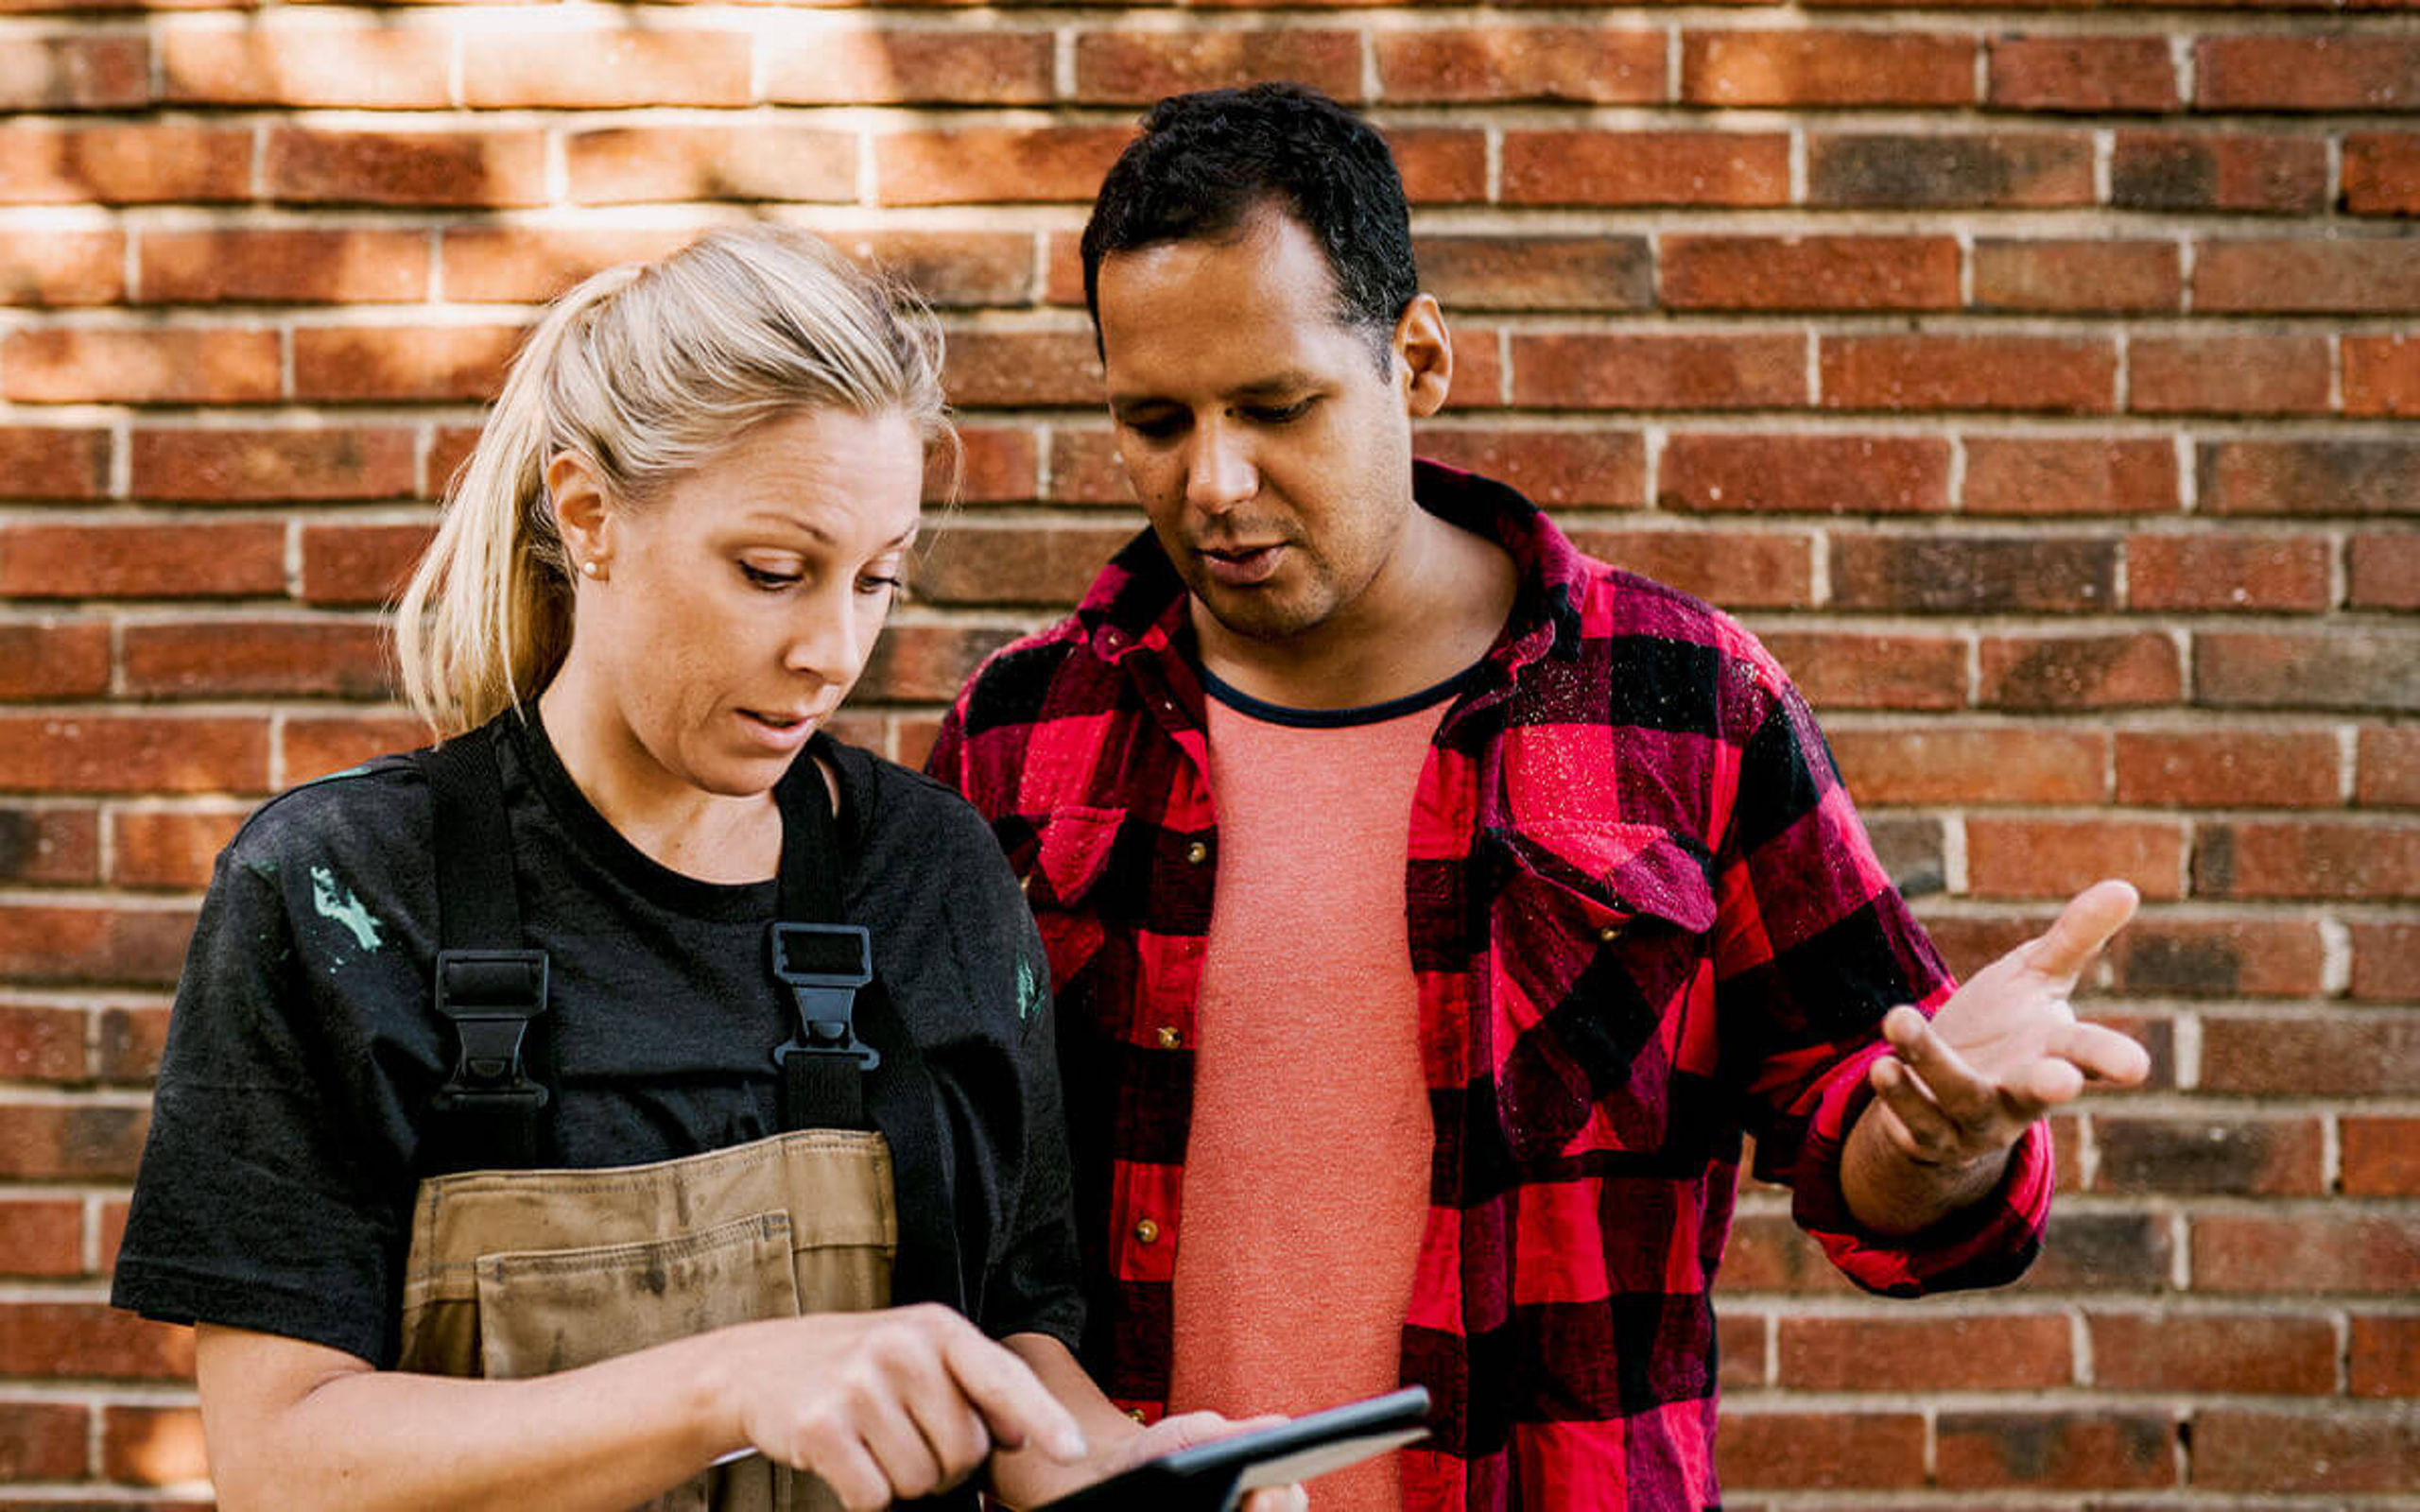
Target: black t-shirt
x,y
276,1188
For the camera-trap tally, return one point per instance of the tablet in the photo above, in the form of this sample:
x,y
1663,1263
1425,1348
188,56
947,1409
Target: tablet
x,y
1214,1477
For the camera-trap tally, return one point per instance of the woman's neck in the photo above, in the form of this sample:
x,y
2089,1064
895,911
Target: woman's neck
x,y
675,823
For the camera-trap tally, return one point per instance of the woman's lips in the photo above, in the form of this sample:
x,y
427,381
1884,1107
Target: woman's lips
x,y
779,732
1243,568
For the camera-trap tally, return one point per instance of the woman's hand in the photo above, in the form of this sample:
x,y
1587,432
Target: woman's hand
x,y
885,1406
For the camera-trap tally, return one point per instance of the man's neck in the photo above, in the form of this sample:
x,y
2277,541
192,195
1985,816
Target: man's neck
x,y
1435,609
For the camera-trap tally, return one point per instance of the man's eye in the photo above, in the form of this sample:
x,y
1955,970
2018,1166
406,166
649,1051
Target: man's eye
x,y
1277,414
1156,427
769,581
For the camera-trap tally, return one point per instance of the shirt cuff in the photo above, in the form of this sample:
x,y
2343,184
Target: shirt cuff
x,y
1988,1243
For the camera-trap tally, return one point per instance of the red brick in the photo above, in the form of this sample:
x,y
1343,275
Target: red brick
x,y
283,265
527,264
359,565
1660,370
2374,670
2102,1253
1846,669
1972,574
152,1446
2381,375
2356,277
2385,572
1746,569
2381,1159
2098,75
2308,858
2386,1349
2078,275
2058,374
1440,164
1492,64
1949,763
223,466
1809,272
1740,1349
1991,1352
2350,1056
1537,272
1085,469
167,847
219,659
219,366
2055,858
113,1227
2282,1452
1718,471
2288,73
554,70
380,364
893,65
131,164
373,67
2052,671
1768,1253
2227,768
615,165
39,1044
1878,170
69,1340
64,267
131,1043
54,846
2382,173
2228,375
974,164
995,465
149,559
87,72
1553,468
400,168
46,658
1981,1450
2387,767
132,753
949,268
1807,67
1818,1451
37,1238
2163,957
2315,477
43,1440
54,462
2279,1157
1016,562
2205,171
928,662
1478,369
2069,475
74,1141
1556,167
1138,67
1015,367
2263,1353
316,747
2227,572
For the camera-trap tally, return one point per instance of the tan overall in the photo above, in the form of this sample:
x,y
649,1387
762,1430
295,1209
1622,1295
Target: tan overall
x,y
521,1273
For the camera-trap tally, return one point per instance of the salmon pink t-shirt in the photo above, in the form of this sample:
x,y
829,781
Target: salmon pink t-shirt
x,y
1307,1170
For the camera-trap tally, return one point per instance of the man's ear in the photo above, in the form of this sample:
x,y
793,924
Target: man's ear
x,y
581,515
1427,352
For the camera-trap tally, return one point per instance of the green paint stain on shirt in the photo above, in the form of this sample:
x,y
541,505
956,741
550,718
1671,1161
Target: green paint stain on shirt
x,y
337,903
1032,992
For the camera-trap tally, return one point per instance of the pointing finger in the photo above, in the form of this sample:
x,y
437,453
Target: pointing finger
x,y
2081,929
1015,1405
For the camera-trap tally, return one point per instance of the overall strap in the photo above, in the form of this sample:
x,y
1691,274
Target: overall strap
x,y
490,1113
823,962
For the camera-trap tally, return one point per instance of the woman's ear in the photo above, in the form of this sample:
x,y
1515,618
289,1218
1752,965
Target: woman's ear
x,y
1428,354
581,517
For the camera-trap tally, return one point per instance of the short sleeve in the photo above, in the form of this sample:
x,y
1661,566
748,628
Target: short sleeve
x,y
1033,1287
264,1201
1814,944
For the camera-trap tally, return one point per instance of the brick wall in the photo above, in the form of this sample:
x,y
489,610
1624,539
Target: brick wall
x,y
2032,379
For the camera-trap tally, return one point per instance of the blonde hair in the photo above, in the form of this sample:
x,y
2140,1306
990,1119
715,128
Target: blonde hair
x,y
643,372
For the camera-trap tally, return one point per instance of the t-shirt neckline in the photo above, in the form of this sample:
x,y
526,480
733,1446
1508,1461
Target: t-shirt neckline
x,y
1373,713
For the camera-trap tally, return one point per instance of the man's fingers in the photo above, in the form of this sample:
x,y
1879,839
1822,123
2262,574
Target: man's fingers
x,y
1962,1096
1918,1127
1015,1405
2104,1055
2081,929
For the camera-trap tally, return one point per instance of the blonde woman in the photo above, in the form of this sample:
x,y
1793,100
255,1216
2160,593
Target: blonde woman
x,y
632,1099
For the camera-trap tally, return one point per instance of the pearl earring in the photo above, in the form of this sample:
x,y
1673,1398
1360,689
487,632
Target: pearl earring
x,y
588,569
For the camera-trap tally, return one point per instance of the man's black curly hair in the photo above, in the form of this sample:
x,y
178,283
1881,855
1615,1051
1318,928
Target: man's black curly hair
x,y
1208,162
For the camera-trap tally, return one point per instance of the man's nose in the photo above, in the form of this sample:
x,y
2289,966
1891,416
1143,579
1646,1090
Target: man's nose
x,y
1219,472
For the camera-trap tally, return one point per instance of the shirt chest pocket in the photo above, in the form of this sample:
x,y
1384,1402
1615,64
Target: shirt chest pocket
x,y
1598,985
1062,867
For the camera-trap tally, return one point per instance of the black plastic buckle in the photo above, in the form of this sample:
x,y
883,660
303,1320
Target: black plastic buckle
x,y
824,965
490,997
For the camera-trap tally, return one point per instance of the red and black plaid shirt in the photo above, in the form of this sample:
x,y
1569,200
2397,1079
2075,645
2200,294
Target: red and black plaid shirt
x,y
1644,917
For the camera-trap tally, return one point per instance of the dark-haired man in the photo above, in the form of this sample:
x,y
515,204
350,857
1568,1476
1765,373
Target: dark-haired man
x,y
1534,888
